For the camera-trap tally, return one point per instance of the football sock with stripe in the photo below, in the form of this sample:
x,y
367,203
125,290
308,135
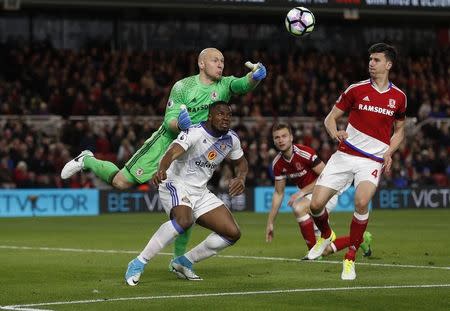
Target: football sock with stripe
x,y
208,247
160,239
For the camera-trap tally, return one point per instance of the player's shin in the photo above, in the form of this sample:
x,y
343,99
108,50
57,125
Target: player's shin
x,y
357,228
213,244
306,225
321,221
105,170
180,243
162,237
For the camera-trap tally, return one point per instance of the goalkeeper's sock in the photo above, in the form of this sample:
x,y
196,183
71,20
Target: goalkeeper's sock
x,y
180,244
105,170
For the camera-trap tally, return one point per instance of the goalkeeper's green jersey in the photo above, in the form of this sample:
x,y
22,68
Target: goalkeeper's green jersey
x,y
197,97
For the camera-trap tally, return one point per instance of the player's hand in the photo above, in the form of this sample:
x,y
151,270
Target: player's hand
x,y
159,176
184,121
259,71
269,232
236,186
296,196
387,162
340,136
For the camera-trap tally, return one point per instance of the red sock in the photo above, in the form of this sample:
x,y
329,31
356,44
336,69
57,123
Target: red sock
x,y
322,223
307,230
341,243
357,229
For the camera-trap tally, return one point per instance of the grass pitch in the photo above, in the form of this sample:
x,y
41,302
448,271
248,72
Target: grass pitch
x,y
79,263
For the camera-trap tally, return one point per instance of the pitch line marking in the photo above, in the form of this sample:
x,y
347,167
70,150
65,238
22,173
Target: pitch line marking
x,y
112,251
25,307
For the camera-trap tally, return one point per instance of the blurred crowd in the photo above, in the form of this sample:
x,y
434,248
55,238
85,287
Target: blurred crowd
x,y
40,80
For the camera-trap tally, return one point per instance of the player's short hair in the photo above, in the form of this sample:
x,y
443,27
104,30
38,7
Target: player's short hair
x,y
280,126
389,51
218,103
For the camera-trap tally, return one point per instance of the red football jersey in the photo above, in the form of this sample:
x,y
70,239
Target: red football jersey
x,y
298,167
371,116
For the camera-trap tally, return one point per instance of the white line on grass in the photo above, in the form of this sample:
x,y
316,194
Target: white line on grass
x,y
112,251
25,307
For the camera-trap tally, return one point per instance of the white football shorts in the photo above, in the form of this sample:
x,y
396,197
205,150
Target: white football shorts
x,y
200,200
343,168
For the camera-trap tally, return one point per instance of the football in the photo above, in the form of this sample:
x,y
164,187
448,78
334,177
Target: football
x,y
300,21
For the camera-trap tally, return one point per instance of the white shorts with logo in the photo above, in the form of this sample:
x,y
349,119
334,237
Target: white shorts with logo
x,y
200,200
343,168
331,204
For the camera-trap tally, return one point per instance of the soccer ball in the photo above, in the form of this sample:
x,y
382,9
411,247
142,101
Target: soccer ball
x,y
300,21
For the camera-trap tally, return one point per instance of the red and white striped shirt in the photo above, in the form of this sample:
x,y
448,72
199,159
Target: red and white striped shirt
x,y
371,116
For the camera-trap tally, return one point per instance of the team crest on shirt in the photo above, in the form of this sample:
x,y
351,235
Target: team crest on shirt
x,y
139,171
214,95
391,103
212,155
298,166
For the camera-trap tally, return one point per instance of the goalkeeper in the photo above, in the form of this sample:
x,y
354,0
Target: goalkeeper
x,y
196,93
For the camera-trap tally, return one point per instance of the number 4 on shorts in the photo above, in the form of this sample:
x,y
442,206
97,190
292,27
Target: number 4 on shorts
x,y
375,173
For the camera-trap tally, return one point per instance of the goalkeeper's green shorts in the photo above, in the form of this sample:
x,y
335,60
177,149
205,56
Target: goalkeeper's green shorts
x,y
144,163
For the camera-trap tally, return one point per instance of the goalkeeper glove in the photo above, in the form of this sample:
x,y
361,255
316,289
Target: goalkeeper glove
x,y
258,70
184,121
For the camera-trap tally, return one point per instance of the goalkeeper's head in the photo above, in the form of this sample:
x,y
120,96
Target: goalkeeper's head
x,y
210,64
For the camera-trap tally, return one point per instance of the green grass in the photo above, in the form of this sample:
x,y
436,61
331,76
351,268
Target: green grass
x,y
418,238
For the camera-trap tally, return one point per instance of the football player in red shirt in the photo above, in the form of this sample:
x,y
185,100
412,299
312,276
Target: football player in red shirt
x,y
302,166
365,147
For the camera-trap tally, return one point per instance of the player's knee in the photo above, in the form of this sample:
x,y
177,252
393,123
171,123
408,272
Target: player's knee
x,y
119,182
361,204
316,206
234,234
184,222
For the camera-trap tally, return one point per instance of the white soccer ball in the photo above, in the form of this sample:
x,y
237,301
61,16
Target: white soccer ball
x,y
300,21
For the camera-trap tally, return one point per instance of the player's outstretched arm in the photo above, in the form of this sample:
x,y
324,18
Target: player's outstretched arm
x,y
277,198
257,73
175,150
249,81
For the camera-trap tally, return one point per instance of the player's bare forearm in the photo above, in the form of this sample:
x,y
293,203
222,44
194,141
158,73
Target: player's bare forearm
x,y
174,151
331,124
237,184
277,198
397,137
241,165
308,188
396,140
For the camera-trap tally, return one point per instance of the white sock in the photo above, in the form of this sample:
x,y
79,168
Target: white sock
x,y
207,248
160,239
